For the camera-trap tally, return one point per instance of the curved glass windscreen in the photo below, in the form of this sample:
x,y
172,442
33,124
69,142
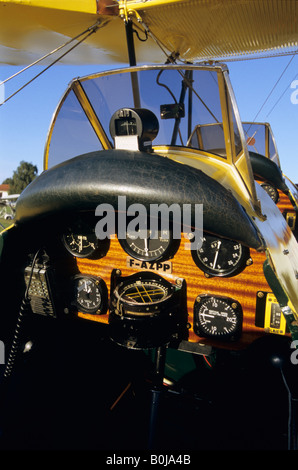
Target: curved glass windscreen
x,y
186,103
259,139
72,134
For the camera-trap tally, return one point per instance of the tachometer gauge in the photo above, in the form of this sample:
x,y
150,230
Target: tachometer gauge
x,y
89,294
146,310
218,317
85,244
161,246
221,257
271,191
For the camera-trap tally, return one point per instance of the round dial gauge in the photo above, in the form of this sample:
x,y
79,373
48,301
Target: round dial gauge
x,y
271,191
85,244
221,257
153,247
90,294
218,317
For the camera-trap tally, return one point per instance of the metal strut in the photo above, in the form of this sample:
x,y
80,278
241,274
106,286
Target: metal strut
x,y
156,395
132,62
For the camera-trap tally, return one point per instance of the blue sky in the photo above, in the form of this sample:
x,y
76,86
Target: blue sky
x,y
24,120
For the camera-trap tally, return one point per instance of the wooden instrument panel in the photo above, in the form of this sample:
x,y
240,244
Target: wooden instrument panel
x,y
246,287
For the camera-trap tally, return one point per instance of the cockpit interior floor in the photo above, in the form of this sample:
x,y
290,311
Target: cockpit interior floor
x,y
79,391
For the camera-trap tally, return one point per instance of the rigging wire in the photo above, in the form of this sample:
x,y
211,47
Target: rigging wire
x,y
275,85
87,32
48,55
281,96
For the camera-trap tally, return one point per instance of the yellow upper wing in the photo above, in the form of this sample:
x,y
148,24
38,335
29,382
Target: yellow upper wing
x,y
31,28
195,29
208,29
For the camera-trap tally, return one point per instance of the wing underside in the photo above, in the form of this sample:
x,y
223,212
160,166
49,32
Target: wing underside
x,y
193,29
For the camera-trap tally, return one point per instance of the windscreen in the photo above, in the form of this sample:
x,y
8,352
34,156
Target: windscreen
x,y
72,133
182,101
259,139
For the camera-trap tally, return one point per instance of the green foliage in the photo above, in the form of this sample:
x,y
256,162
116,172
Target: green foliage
x,y
22,176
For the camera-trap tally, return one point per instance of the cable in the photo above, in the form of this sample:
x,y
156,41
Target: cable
x,y
16,339
290,409
165,86
274,86
281,96
120,396
206,360
15,343
90,31
47,55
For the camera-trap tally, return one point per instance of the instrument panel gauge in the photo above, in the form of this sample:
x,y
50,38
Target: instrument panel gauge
x,y
89,294
85,244
146,310
218,317
143,292
155,246
221,257
271,191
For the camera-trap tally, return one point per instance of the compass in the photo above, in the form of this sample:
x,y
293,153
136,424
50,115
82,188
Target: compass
x,y
143,292
146,310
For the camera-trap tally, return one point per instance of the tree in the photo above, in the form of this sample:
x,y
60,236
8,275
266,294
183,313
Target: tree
x,y
22,176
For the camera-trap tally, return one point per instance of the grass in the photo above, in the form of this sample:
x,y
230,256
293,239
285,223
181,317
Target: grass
x,y
5,223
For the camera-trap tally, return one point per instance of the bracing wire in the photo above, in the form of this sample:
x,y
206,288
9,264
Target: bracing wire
x,y
87,33
47,55
276,103
274,86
